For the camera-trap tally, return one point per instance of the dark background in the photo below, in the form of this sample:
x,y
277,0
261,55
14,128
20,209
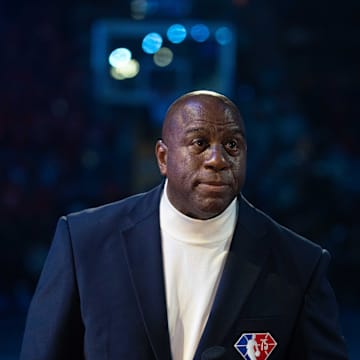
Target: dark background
x,y
296,82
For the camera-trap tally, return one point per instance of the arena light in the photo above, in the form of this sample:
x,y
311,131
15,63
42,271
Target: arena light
x,y
200,32
223,35
163,57
138,9
176,33
119,56
127,70
152,42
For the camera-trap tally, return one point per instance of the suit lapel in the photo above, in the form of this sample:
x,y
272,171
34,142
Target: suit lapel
x,y
142,245
244,263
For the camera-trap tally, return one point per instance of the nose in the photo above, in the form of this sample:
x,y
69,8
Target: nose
x,y
216,158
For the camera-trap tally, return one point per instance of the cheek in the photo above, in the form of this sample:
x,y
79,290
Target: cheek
x,y
181,167
239,172
184,162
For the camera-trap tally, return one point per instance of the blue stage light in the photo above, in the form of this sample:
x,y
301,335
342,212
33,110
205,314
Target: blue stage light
x,y
223,35
152,42
200,32
176,33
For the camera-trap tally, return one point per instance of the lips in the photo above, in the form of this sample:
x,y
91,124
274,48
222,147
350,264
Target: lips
x,y
213,186
212,183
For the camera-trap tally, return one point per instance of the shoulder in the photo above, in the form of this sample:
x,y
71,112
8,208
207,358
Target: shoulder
x,y
289,252
120,214
258,222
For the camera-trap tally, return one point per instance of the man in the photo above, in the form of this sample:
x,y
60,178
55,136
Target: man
x,y
188,270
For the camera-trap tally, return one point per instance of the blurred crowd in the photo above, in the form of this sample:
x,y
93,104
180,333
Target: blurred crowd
x,y
61,151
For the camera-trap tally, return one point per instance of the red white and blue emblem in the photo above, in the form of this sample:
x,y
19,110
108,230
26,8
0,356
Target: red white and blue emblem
x,y
255,346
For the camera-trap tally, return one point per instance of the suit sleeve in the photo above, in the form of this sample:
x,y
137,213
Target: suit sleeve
x,y
54,328
318,335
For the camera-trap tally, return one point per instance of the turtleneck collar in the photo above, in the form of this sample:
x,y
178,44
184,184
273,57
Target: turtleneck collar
x,y
194,231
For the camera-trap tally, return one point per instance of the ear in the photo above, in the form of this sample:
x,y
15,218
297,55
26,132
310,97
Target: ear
x,y
161,151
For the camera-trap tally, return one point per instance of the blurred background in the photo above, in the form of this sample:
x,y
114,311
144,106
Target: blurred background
x,y
84,88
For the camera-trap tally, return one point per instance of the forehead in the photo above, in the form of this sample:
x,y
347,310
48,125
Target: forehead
x,y
206,112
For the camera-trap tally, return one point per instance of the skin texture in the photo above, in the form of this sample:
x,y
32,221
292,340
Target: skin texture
x,y
202,153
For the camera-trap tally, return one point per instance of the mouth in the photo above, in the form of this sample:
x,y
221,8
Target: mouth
x,y
213,186
213,183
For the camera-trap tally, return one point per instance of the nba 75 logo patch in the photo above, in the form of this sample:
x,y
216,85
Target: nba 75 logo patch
x,y
255,346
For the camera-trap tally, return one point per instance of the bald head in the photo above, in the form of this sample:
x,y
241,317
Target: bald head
x,y
196,103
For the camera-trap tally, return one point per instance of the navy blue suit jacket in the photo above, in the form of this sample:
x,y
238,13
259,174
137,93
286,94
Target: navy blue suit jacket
x,y
101,293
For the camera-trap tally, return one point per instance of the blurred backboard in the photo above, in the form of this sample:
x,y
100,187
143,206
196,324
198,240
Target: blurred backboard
x,y
206,62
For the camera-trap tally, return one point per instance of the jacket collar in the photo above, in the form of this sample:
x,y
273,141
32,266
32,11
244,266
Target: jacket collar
x,y
142,248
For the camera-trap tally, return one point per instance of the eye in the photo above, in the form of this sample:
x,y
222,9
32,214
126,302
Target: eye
x,y
200,143
232,144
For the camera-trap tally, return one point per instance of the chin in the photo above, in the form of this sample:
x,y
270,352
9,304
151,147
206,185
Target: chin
x,y
212,209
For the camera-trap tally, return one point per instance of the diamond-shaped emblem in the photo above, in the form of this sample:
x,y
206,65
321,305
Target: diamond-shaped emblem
x,y
255,346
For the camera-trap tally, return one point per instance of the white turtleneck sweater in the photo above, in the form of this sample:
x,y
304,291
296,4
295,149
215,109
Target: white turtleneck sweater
x,y
194,253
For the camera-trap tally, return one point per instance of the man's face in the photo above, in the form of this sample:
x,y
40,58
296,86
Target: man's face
x,y
203,155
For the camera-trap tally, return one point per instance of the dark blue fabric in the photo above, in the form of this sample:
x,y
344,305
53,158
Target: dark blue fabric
x,y
101,293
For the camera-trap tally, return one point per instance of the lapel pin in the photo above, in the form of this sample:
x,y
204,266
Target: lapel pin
x,y
255,346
